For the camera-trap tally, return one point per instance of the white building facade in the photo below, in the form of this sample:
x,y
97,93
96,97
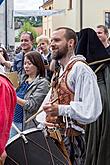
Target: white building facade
x,y
7,23
78,14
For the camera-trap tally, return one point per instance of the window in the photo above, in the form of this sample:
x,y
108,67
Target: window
x,y
49,32
107,19
70,4
44,1
45,9
45,32
50,8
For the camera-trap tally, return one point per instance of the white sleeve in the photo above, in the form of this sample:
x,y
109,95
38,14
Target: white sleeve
x,y
87,105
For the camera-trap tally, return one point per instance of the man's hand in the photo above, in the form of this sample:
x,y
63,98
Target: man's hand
x,y
51,112
2,158
51,109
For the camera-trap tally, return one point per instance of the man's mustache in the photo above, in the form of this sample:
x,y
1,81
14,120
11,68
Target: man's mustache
x,y
53,47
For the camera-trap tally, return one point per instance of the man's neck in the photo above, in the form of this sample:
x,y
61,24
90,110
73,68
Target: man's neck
x,y
66,59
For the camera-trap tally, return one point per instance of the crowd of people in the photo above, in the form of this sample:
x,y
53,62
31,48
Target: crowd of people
x,y
75,71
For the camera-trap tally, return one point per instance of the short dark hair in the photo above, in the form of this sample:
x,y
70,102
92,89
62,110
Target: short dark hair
x,y
69,33
104,28
36,59
29,33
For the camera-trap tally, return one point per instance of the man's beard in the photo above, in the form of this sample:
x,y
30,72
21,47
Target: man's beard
x,y
61,53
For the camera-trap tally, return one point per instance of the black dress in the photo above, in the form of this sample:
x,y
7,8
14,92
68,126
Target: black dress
x,y
97,134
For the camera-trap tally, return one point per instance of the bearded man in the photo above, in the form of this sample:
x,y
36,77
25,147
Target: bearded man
x,y
78,97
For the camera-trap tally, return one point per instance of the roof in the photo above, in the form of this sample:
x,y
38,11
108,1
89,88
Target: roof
x,y
47,3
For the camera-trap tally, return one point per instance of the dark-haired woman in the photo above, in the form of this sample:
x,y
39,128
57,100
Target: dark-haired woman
x,y
32,90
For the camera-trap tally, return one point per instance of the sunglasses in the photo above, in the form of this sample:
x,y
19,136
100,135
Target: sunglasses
x,y
30,34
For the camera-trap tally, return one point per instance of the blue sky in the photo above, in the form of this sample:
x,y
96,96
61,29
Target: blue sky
x,y
27,4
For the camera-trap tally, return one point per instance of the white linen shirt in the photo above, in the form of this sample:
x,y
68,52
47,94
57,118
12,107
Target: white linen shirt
x,y
87,105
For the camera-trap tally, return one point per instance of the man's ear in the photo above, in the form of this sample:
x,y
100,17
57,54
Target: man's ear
x,y
107,35
71,43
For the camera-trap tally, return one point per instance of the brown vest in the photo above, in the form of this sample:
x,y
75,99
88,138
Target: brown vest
x,y
61,91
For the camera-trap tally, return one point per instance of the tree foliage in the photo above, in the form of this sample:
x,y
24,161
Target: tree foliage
x,y
27,27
